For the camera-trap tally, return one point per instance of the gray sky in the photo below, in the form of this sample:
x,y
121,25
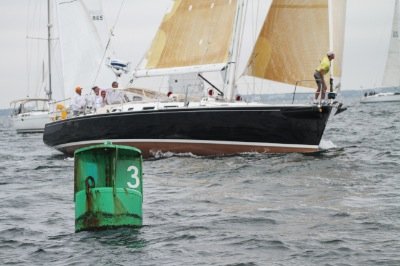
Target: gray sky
x,y
367,35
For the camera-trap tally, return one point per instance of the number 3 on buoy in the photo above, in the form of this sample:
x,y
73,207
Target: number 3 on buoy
x,y
134,176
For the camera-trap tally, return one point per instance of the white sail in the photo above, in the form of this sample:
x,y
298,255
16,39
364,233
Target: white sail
x,y
96,13
391,75
82,48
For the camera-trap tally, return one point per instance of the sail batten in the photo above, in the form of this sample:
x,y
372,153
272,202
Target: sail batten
x,y
193,33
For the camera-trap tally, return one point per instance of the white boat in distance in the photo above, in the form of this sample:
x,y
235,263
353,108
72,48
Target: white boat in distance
x,y
391,76
30,115
80,60
381,97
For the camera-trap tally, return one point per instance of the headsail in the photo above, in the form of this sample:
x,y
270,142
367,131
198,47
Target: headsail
x,y
391,75
192,34
82,48
95,10
294,37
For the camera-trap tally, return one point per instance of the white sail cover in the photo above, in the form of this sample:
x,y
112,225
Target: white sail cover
x,y
192,34
391,76
82,48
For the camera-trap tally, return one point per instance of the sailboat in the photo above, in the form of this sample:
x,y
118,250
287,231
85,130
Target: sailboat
x,y
391,77
81,48
29,115
196,38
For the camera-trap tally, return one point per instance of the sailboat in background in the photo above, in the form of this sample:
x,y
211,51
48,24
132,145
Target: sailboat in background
x,y
78,52
391,76
29,115
197,38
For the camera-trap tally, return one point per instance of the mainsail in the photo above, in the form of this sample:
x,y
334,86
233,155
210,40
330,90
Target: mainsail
x,y
192,34
391,75
294,37
82,48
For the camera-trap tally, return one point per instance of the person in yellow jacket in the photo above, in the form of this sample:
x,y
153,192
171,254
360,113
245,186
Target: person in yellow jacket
x,y
319,73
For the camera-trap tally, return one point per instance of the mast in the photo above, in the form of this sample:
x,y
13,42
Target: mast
x,y
234,52
49,93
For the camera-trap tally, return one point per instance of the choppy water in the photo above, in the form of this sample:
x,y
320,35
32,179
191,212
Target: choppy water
x,y
338,207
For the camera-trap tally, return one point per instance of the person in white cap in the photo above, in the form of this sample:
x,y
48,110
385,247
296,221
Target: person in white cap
x,y
319,73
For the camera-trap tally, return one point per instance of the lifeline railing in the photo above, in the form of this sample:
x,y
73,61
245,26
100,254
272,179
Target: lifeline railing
x,y
312,80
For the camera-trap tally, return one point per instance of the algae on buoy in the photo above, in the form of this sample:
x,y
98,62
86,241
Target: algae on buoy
x,y
108,189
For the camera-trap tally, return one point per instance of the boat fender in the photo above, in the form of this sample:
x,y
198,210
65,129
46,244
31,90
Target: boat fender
x,y
62,111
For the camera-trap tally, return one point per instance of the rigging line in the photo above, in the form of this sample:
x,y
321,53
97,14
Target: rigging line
x,y
36,56
255,20
209,83
241,36
26,49
32,48
41,38
111,34
118,15
35,26
244,22
255,38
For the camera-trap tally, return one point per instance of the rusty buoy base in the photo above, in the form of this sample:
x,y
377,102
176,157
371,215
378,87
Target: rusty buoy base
x,y
106,207
108,187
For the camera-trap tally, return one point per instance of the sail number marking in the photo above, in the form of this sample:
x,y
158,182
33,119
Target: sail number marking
x,y
134,176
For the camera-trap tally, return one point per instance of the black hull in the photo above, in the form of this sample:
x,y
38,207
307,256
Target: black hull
x,y
201,131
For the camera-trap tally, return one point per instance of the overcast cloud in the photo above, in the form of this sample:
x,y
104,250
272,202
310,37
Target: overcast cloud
x,y
367,35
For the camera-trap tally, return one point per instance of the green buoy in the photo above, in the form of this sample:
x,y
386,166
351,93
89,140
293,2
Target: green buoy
x,y
108,188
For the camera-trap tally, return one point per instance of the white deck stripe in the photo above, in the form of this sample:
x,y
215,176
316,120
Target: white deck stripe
x,y
216,142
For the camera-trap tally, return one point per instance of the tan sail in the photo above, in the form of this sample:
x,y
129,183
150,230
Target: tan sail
x,y
193,33
338,13
293,39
